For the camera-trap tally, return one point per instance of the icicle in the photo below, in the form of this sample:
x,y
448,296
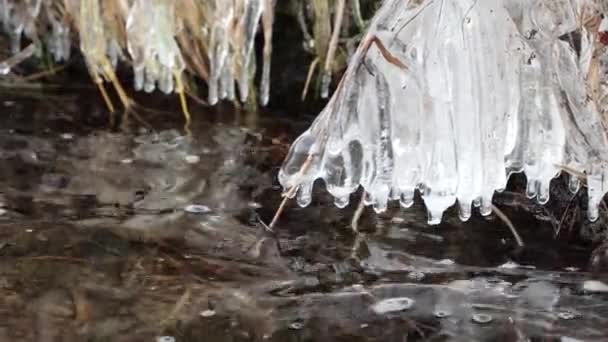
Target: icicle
x,y
138,77
325,83
442,99
331,51
248,26
305,194
150,79
151,31
267,20
574,184
225,30
219,53
165,82
342,202
93,43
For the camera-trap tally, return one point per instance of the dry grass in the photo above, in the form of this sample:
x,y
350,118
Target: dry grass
x,y
211,41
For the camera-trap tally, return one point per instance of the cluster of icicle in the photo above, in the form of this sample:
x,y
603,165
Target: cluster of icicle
x,y
451,97
160,38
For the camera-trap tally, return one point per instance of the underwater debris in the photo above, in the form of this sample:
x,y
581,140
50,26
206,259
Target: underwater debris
x,y
441,99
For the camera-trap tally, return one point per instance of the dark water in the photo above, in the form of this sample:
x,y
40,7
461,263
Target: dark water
x,y
134,231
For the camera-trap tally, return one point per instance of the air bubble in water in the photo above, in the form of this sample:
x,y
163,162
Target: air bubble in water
x,y
197,209
165,339
67,136
442,313
393,305
5,69
482,318
192,159
447,262
296,326
510,265
595,286
567,315
207,313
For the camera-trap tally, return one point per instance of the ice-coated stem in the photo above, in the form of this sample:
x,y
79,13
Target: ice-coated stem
x,y
291,192
450,98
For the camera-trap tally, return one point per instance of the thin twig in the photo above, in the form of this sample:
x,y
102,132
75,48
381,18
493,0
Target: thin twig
x,y
354,223
311,71
356,12
392,59
509,224
354,250
104,95
563,218
127,102
333,43
196,98
580,175
183,300
17,58
44,73
291,192
56,258
184,102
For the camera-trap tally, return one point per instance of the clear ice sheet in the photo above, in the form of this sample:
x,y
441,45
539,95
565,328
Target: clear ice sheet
x,y
490,88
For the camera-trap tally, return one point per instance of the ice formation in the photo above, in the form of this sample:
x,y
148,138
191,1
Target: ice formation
x,y
451,97
154,36
94,41
231,35
19,19
156,56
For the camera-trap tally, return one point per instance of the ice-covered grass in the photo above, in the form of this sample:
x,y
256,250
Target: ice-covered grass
x,y
449,98
160,38
163,40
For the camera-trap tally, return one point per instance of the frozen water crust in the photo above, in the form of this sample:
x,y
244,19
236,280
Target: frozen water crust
x,y
451,97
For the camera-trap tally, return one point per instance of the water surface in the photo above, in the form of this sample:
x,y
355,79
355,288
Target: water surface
x,y
136,231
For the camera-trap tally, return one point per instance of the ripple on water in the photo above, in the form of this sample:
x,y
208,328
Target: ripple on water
x,y
442,313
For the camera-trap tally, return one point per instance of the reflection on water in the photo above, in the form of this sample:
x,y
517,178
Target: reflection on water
x,y
145,234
